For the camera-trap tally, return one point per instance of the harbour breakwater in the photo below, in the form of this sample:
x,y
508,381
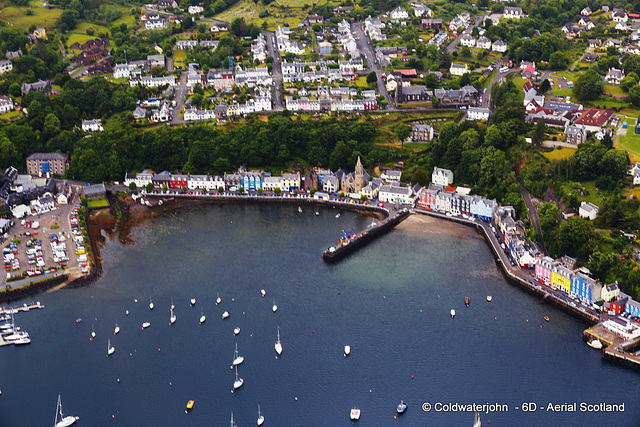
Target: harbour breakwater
x,y
31,289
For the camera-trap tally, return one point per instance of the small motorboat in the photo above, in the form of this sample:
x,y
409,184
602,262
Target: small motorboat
x,y
275,307
355,414
317,213
126,312
202,317
489,298
150,304
225,315
453,313
597,344
337,215
278,345
347,350
299,209
192,302
546,318
110,348
78,320
116,329
401,407
236,331
93,333
172,318
466,301
145,325
190,404
218,299
263,292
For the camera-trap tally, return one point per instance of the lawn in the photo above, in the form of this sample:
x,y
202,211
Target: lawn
x,y
361,82
9,116
80,38
128,19
560,153
179,58
630,143
41,17
614,90
102,203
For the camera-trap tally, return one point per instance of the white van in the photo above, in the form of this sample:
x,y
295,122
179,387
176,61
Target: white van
x,y
504,69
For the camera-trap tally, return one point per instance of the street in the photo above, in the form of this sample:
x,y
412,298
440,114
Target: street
x,y
276,71
179,93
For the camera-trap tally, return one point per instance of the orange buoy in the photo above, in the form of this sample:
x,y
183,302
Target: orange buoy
x,y
314,331
411,376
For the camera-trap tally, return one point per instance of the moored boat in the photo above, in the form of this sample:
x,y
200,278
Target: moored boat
x,y
236,358
225,315
110,348
172,319
597,344
238,382
260,417
192,302
236,331
347,350
63,421
263,292
275,307
355,414
278,345
546,318
145,325
401,407
202,317
476,420
466,301
453,313
218,299
190,404
489,298
150,304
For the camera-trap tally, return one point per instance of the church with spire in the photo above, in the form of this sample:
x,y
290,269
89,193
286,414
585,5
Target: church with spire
x,y
354,182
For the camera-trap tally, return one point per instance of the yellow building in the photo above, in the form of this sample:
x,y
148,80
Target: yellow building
x,y
290,181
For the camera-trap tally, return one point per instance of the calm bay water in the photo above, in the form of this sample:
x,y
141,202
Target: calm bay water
x,y
390,301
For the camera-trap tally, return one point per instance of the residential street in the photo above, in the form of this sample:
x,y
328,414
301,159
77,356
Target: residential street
x,y
533,216
452,46
179,92
276,72
364,46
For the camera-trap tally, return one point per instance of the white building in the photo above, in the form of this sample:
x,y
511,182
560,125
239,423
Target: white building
x,y
5,104
478,114
94,125
483,43
5,66
155,24
458,69
394,194
442,177
468,40
588,210
195,9
499,46
151,81
399,13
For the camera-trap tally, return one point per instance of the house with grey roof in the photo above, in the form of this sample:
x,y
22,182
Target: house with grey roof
x,y
575,134
441,176
40,86
421,133
588,210
389,175
94,125
95,192
614,76
395,194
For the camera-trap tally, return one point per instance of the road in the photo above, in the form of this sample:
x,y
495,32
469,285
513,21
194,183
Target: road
x,y
533,216
366,48
179,93
452,46
276,71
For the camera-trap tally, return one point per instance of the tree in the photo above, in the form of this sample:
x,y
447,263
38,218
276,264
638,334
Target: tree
x,y
588,86
545,86
68,20
402,132
539,132
431,81
364,197
634,95
614,164
133,186
218,6
372,77
148,187
629,81
9,155
558,61
277,190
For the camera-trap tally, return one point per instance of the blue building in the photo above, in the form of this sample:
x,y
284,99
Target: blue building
x,y
482,208
252,180
632,308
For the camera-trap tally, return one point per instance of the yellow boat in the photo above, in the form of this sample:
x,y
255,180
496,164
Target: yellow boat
x,y
190,404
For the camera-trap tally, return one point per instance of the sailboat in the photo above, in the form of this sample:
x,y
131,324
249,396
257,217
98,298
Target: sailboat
x,y
64,421
263,292
278,345
110,348
218,299
116,329
476,420
172,304
150,304
238,382
275,307
453,313
192,302
260,417
232,423
299,209
172,319
202,317
93,332
237,359
347,350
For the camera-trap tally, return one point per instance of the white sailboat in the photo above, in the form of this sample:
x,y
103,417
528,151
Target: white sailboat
x,y
275,307
453,313
476,420
93,332
202,317
110,348
172,304
145,325
260,417
63,421
192,302
172,319
150,304
278,345
347,350
232,423
489,298
236,330
218,299
263,292
238,382
299,209
237,359
225,315
116,329
355,414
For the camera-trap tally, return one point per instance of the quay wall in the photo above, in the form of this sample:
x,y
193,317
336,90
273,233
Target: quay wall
x,y
545,294
28,290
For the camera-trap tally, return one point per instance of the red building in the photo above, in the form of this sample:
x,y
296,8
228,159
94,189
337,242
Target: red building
x,y
178,181
618,306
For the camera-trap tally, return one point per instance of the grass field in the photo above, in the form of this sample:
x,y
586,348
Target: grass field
x,y
560,153
80,38
630,143
614,90
126,19
41,17
102,203
179,58
9,116
292,14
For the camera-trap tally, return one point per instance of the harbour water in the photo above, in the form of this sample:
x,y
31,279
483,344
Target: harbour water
x,y
390,301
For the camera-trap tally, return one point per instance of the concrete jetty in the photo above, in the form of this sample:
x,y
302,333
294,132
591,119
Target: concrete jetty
x,y
24,307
